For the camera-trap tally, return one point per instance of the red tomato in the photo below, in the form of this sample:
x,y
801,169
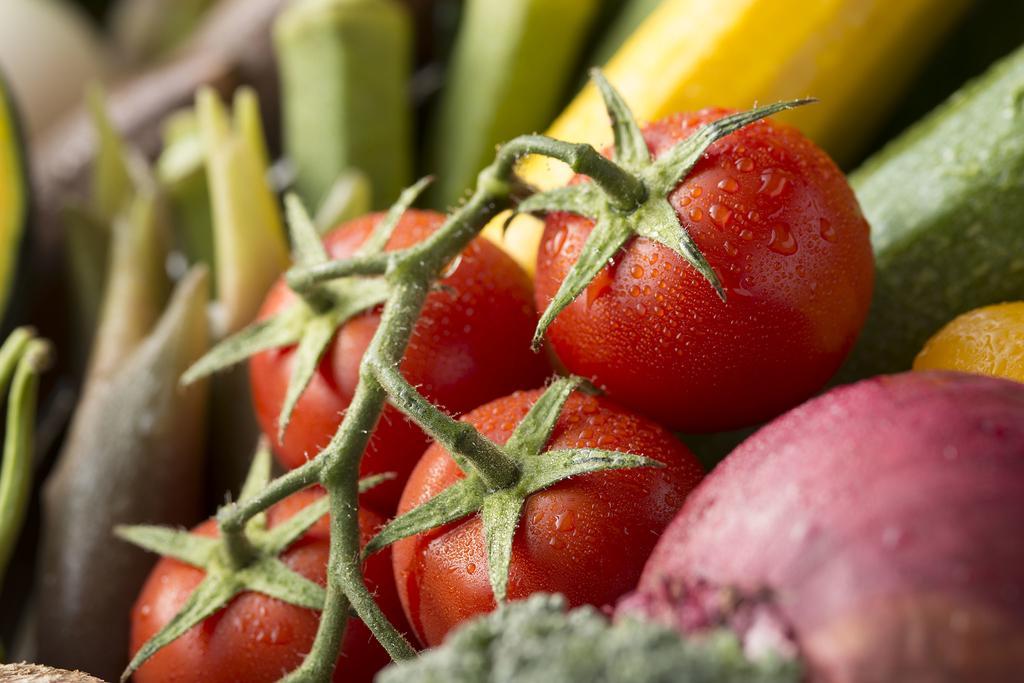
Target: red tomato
x,y
778,222
256,638
470,345
586,537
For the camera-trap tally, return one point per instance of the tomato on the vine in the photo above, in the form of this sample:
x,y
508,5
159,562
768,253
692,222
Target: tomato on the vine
x,y
257,638
470,345
586,537
780,226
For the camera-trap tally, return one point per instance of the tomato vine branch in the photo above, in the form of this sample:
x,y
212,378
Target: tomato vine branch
x,y
626,197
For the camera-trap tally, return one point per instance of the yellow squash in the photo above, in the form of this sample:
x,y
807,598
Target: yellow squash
x,y
855,56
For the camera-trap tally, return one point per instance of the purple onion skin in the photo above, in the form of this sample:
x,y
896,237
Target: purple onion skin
x,y
877,531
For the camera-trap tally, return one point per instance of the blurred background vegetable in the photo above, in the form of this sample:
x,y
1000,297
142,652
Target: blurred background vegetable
x,y
944,202
135,433
49,52
985,341
512,62
345,68
15,200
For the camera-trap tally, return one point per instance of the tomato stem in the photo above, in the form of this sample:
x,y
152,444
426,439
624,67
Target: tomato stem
x,y
302,280
410,274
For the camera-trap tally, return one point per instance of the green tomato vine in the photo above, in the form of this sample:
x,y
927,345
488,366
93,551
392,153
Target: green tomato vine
x,y
627,196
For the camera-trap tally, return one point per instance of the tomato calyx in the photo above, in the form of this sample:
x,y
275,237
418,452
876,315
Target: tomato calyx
x,y
654,217
320,309
233,563
500,507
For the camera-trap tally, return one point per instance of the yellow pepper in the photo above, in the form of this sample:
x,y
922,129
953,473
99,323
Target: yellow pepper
x,y
855,56
985,341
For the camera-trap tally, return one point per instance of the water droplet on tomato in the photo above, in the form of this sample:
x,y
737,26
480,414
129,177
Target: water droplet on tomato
x,y
730,248
634,290
720,214
828,233
557,241
453,266
696,191
728,184
746,234
782,240
685,201
745,164
773,182
565,521
637,271
696,215
601,283
471,568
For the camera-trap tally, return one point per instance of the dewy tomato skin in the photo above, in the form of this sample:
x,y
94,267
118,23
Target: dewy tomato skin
x,y
778,222
256,638
586,537
471,345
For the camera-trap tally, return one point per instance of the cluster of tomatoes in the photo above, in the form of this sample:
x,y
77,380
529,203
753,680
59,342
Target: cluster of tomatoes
x,y
777,221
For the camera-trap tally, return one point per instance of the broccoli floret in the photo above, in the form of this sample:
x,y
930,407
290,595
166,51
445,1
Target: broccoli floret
x,y
538,640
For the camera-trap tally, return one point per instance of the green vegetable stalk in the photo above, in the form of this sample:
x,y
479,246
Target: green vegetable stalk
x,y
344,67
23,357
181,171
118,172
135,431
250,253
945,203
504,48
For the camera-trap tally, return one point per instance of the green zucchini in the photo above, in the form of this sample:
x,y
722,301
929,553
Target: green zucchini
x,y
14,202
512,64
946,206
345,68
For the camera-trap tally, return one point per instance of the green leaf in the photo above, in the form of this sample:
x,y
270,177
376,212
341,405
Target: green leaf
x,y
378,239
19,432
455,502
259,471
10,353
316,337
112,184
248,234
658,221
349,197
532,434
500,515
367,483
607,237
307,248
183,546
673,166
580,199
277,539
283,329
555,466
270,576
256,479
630,147
351,296
215,591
